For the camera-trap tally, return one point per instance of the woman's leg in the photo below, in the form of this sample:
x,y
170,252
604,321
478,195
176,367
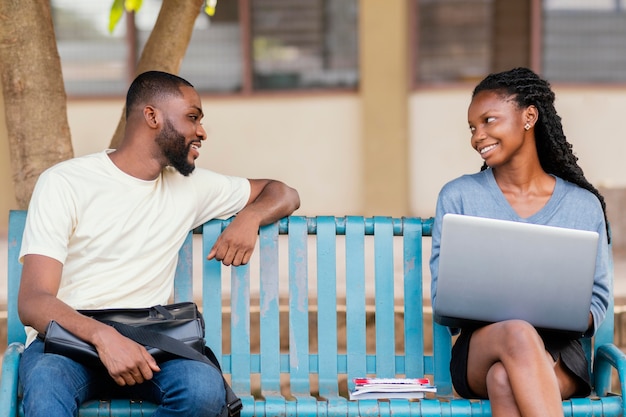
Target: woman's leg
x,y
568,383
500,393
508,363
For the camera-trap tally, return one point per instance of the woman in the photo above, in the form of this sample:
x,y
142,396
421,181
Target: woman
x,y
530,174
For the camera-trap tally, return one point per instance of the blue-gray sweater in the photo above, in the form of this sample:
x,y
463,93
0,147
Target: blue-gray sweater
x,y
570,206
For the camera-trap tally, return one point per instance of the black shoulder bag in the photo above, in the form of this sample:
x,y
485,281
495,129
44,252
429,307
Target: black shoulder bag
x,y
167,331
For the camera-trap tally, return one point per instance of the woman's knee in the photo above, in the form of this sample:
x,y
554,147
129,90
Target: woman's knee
x,y
518,337
498,382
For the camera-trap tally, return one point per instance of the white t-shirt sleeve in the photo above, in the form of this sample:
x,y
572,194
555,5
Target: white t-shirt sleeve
x,y
219,196
48,225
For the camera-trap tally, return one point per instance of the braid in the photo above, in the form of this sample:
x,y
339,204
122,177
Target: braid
x,y
555,152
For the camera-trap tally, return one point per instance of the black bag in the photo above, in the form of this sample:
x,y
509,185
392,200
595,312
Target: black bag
x,y
167,331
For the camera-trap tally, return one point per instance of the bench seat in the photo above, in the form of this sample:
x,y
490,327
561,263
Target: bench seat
x,y
324,300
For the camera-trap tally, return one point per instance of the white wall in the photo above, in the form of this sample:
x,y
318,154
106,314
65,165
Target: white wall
x,y
439,145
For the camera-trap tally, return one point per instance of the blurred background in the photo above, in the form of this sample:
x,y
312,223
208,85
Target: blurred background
x,y
359,104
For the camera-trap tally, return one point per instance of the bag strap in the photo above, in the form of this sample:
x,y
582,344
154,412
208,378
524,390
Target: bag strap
x,y
164,312
176,347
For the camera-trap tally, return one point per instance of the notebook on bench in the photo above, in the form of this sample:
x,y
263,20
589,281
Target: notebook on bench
x,y
493,270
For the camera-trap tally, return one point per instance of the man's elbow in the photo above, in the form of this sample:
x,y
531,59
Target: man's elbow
x,y
24,312
288,196
294,199
31,305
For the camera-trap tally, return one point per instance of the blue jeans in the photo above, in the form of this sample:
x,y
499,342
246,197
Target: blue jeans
x,y
55,386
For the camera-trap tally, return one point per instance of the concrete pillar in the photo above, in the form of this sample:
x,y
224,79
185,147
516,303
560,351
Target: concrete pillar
x,y
384,93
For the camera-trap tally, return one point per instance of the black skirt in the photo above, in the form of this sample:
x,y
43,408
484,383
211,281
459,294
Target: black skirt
x,y
570,351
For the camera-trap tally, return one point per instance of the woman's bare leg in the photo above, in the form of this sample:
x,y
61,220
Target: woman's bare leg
x,y
500,393
524,377
567,382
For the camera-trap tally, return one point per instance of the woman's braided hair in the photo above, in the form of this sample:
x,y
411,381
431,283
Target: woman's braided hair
x,y
555,152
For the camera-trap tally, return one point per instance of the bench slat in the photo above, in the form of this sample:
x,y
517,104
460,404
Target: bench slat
x,y
17,220
442,344
183,285
384,298
298,307
413,290
212,292
269,310
355,299
327,306
240,328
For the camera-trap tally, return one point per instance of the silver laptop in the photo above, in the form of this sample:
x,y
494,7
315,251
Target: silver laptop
x,y
493,270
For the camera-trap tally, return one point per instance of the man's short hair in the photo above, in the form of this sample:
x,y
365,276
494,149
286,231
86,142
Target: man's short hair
x,y
151,87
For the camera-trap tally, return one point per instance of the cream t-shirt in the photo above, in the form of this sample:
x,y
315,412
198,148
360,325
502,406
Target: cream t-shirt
x,y
118,236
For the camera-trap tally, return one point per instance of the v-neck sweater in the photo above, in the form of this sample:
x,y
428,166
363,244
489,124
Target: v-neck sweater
x,y
569,206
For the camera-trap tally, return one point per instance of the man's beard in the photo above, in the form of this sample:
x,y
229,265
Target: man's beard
x,y
174,148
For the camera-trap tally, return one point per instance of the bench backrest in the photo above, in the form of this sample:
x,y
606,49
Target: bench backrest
x,y
344,294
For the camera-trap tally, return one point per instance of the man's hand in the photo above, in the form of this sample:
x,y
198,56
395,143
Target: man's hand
x,y
269,201
236,243
127,361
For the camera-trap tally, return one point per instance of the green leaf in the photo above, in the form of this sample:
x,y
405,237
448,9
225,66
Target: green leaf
x,y
117,11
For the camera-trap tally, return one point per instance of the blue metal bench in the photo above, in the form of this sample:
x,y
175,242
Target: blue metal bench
x,y
304,377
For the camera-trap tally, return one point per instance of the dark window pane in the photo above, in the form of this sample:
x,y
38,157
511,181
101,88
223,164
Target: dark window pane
x,y
304,44
454,39
585,41
213,60
467,39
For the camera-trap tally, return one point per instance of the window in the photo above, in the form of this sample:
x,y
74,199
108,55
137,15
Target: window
x,y
584,41
565,40
304,44
454,39
248,45
93,61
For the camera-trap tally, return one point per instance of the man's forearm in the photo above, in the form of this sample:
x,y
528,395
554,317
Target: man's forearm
x,y
39,310
275,201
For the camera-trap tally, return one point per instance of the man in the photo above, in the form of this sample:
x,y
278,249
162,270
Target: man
x,y
103,231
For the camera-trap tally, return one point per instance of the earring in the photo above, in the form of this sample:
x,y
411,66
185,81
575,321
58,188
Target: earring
x,y
527,126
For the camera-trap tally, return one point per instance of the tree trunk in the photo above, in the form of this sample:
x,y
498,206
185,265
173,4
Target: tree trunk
x,y
167,44
34,94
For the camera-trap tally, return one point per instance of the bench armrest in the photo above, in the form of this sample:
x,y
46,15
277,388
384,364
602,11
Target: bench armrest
x,y
9,380
609,356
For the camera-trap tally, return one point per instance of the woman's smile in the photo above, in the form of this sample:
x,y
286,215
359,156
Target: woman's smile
x,y
486,149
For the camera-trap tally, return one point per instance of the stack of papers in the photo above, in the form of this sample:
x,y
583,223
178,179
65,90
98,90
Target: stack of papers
x,y
375,388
